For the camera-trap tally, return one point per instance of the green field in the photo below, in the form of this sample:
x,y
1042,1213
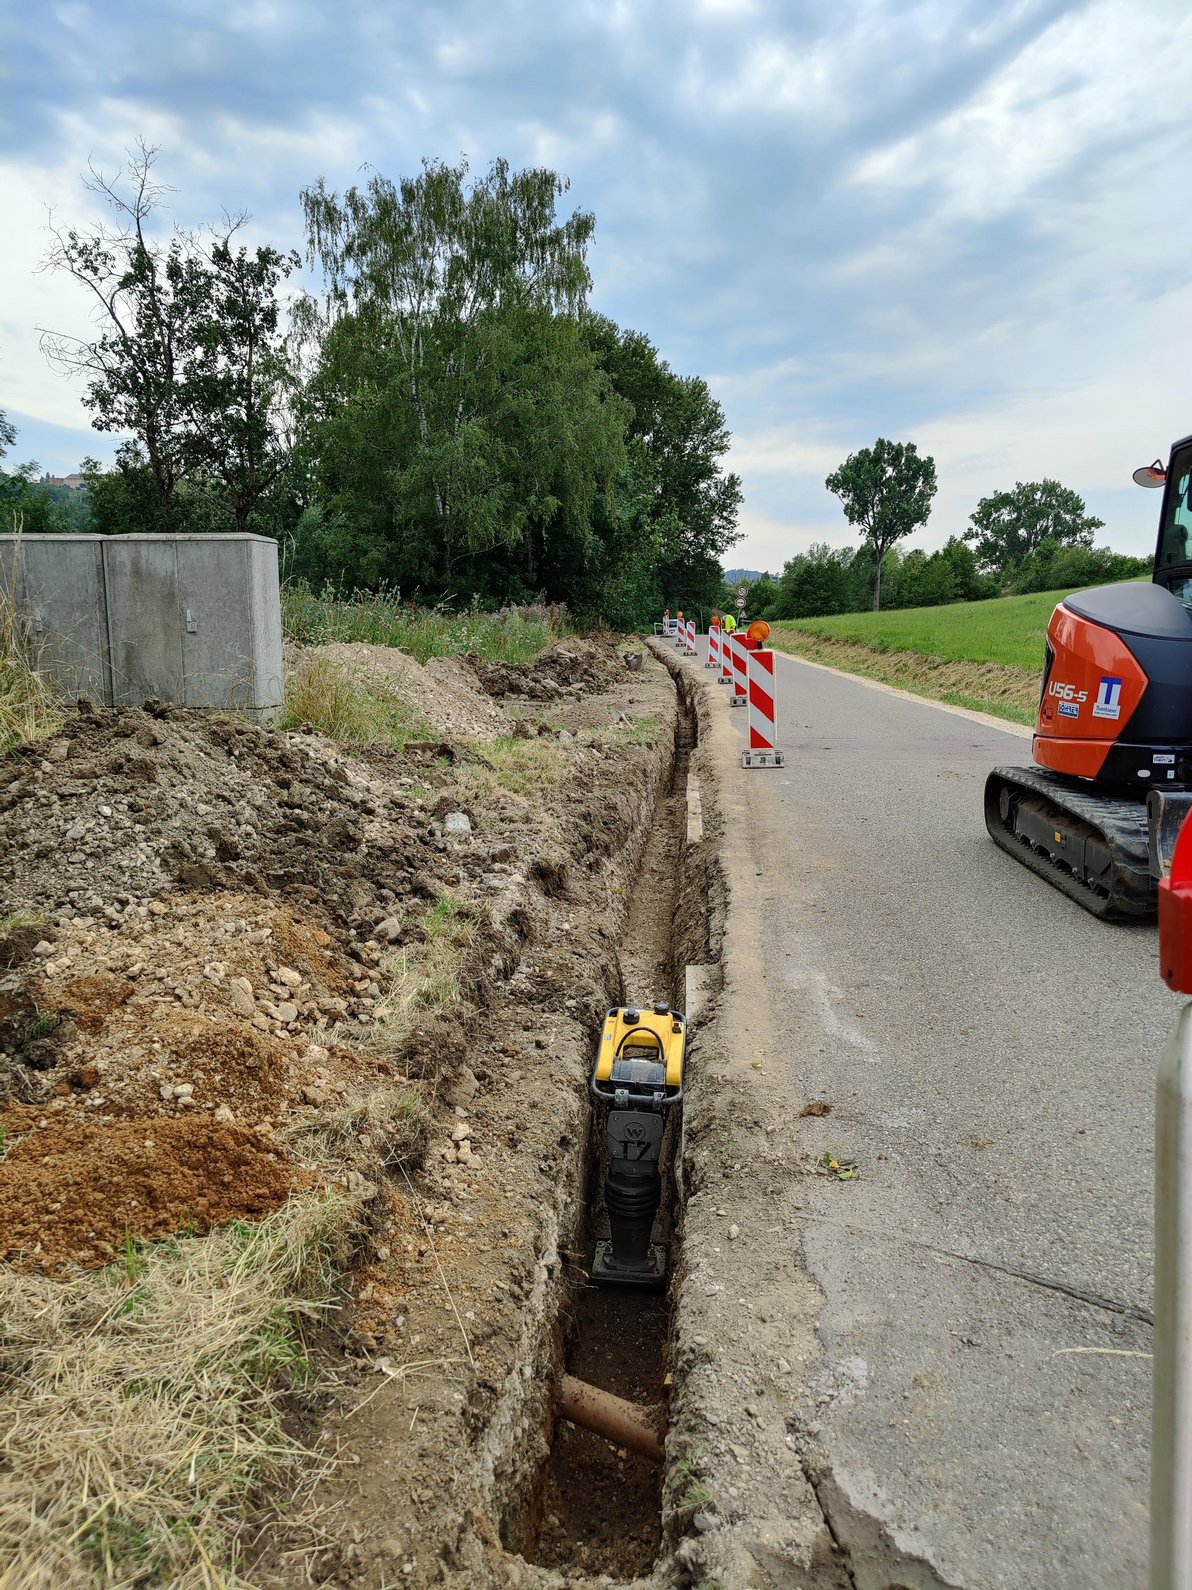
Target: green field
x,y
984,655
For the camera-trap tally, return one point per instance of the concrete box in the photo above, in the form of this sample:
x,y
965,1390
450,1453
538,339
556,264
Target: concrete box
x,y
190,619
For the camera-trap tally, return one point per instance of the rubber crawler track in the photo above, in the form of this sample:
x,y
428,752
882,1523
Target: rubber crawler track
x,y
1122,823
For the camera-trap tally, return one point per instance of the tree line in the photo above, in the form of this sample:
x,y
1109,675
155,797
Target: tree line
x,y
447,418
1037,537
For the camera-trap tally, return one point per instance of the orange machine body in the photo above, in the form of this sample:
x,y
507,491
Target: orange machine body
x,y
1092,684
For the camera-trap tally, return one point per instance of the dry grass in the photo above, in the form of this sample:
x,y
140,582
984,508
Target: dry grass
x,y
510,766
424,978
338,700
388,1124
141,1405
28,708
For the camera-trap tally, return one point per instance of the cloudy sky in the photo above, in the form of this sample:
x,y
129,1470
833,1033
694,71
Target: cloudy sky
x,y
951,222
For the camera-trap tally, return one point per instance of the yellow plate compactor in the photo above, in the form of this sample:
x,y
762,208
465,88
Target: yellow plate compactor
x,y
636,1081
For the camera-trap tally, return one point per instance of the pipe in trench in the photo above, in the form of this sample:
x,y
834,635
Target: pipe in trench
x,y
618,1421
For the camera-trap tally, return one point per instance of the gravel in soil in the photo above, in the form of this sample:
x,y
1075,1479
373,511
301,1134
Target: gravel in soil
x,y
223,914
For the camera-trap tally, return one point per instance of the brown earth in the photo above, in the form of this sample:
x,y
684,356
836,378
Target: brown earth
x,y
225,916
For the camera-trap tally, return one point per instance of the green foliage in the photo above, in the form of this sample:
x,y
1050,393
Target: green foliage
x,y
513,634
1052,564
187,360
1009,525
886,489
1008,629
677,436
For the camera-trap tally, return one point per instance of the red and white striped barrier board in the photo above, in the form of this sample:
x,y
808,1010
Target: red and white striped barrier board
x,y
763,713
726,657
739,656
680,633
689,647
713,646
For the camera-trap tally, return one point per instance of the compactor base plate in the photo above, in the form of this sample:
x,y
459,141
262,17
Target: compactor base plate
x,y
651,1275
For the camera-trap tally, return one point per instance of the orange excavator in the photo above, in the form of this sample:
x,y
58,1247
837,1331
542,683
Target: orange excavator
x,y
1099,815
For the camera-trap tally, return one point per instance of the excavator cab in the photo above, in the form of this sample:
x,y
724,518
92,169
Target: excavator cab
x,y
1173,554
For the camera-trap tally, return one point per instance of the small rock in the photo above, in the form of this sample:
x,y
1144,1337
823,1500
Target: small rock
x,y
105,811
461,1132
166,1091
288,976
43,948
734,1231
241,1002
287,1013
457,823
389,929
464,1153
156,908
704,1523
184,1090
224,1114
565,736
783,1367
58,752
464,1089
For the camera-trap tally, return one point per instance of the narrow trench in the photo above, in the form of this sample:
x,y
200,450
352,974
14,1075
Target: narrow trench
x,y
600,1507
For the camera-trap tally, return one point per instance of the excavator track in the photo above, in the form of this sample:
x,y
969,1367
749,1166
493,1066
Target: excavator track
x,y
1091,846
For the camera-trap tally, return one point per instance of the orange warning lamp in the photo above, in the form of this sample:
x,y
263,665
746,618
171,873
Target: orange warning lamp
x,y
758,631
1175,916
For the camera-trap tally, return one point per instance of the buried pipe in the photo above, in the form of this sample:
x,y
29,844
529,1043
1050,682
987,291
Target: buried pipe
x,y
621,1422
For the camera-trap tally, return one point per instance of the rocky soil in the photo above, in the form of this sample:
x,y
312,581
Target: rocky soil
x,y
215,946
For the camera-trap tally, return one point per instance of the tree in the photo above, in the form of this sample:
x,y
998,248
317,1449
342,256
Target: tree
x,y
682,429
887,490
1009,525
186,360
450,320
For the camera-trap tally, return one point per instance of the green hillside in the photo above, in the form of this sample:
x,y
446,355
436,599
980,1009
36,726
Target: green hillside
x,y
984,655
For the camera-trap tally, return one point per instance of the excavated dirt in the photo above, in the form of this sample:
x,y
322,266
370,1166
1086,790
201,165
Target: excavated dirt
x,y
221,915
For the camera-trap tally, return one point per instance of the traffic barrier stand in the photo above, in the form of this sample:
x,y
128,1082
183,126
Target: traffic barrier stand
x,y
1171,1368
713,646
726,658
763,712
689,638
680,632
739,654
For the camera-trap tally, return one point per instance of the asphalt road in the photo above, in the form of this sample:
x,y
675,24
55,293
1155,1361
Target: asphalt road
x,y
989,1052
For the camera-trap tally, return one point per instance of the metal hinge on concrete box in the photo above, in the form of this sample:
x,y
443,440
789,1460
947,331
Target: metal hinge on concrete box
x,y
190,619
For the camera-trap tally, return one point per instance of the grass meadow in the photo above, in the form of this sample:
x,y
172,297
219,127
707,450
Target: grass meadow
x,y
987,656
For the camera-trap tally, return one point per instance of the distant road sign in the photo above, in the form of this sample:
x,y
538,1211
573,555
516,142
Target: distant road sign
x,y
742,590
740,604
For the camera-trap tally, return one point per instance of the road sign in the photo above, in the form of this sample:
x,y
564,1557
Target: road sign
x,y
742,590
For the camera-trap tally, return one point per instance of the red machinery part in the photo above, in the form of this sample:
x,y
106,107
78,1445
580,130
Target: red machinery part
x,y
1175,916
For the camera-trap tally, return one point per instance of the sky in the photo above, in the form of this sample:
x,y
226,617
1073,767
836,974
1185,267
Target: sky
x,y
950,222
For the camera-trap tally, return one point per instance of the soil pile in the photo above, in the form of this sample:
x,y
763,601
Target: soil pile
x,y
442,694
570,667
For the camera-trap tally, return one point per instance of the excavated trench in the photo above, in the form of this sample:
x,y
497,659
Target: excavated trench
x,y
597,1507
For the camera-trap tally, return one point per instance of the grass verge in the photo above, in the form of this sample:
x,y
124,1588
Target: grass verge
x,y
143,1403
1009,630
995,688
987,656
513,635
